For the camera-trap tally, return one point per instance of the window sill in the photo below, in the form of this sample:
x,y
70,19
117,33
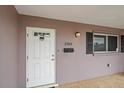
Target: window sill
x,y
108,53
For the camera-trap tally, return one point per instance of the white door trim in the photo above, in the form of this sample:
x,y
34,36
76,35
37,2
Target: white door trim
x,y
26,79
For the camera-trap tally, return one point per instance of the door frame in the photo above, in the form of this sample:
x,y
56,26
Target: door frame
x,y
26,35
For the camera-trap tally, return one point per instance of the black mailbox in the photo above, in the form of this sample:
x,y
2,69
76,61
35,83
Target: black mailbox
x,y
68,50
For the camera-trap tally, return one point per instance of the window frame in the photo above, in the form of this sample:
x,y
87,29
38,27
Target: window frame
x,y
106,35
121,46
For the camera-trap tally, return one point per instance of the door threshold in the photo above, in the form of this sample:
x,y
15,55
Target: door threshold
x,y
47,86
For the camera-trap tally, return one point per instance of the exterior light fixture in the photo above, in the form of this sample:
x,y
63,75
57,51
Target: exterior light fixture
x,y
77,34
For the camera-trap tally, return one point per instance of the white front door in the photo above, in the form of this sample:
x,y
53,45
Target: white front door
x,y
40,53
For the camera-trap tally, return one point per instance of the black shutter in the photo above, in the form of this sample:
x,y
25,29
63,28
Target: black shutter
x,y
122,43
89,43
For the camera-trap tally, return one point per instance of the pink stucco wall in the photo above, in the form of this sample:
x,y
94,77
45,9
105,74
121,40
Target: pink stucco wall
x,y
8,47
76,66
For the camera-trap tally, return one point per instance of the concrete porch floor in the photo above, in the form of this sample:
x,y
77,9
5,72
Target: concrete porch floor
x,y
110,81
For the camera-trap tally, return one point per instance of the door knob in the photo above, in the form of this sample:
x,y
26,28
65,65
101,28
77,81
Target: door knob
x,y
52,59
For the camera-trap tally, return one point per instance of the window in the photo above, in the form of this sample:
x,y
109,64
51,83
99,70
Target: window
x,y
105,43
112,43
99,43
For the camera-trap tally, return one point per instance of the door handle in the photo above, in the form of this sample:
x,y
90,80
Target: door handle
x,y
53,55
